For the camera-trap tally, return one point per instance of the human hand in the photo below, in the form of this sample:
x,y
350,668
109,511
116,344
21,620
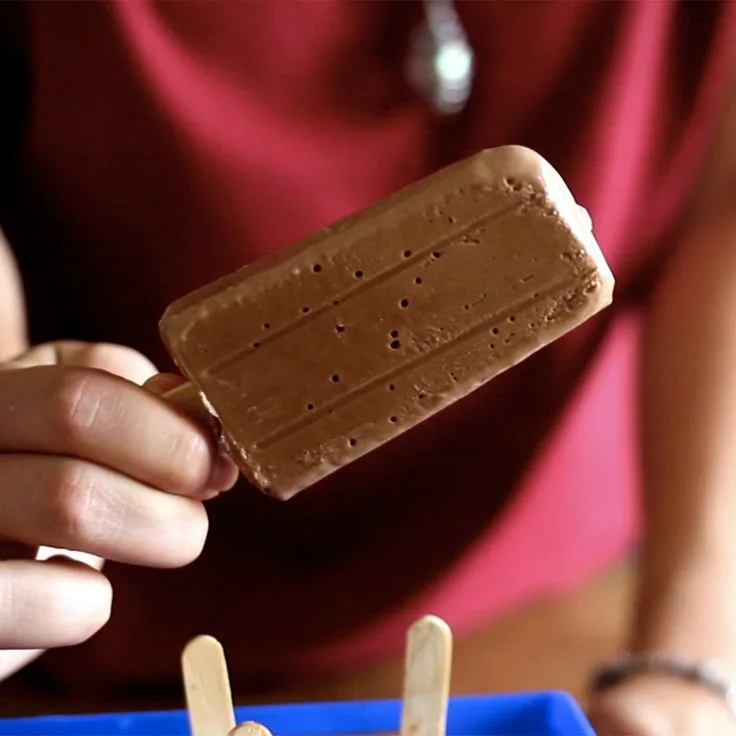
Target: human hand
x,y
660,705
94,463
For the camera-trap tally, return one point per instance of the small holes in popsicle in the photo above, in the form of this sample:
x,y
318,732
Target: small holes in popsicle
x,y
495,330
394,333
352,441
339,328
407,254
266,326
310,407
418,280
393,420
421,395
316,268
335,378
391,387
512,318
256,344
359,274
305,310
404,303
451,219
394,344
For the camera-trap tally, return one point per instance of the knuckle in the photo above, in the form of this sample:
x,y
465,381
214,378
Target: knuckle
x,y
76,403
71,499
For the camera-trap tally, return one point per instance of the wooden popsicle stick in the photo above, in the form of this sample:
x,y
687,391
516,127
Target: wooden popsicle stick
x,y
207,687
187,398
427,668
250,728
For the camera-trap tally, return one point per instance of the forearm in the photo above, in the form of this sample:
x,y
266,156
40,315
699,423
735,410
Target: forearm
x,y
688,588
13,339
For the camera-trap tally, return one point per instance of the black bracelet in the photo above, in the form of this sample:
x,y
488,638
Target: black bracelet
x,y
703,673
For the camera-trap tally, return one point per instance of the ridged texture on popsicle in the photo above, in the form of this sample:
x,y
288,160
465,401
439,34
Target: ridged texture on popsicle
x,y
318,354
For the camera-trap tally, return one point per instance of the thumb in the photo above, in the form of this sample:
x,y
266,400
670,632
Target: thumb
x,y
116,359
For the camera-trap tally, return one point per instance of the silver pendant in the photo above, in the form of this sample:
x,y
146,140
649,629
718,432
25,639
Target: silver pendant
x,y
441,60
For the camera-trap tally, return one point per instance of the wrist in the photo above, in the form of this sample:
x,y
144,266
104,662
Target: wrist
x,y
690,610
708,676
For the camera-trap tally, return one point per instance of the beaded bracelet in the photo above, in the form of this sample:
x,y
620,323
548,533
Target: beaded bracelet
x,y
703,673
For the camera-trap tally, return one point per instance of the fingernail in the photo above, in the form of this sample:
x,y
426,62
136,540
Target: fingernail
x,y
224,473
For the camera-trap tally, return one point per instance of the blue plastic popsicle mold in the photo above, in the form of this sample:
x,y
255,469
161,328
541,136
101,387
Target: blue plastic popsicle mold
x,y
528,714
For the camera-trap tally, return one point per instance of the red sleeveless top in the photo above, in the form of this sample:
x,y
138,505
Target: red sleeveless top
x,y
166,143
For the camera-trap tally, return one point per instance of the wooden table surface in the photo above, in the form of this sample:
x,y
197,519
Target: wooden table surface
x,y
552,644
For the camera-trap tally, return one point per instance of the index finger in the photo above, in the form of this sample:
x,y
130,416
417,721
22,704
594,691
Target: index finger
x,y
98,417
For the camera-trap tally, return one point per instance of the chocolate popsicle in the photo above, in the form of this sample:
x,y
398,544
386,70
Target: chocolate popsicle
x,y
320,353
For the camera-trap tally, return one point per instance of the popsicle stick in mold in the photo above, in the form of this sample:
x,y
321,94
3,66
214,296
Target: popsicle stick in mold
x,y
207,688
250,728
427,670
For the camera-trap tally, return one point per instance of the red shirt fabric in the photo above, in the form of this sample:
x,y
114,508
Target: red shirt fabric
x,y
167,143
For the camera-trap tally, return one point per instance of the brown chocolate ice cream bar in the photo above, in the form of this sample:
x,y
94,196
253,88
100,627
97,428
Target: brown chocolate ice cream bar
x,y
320,353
